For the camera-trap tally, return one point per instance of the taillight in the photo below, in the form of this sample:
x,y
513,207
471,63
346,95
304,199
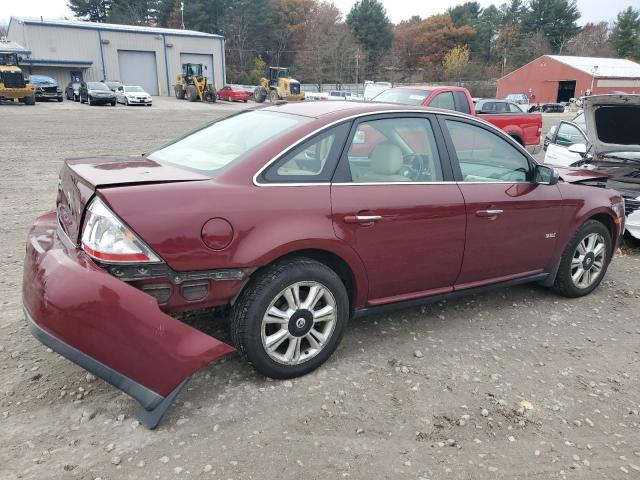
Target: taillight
x,y
107,239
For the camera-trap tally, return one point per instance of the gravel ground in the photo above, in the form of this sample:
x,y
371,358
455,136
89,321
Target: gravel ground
x,y
517,383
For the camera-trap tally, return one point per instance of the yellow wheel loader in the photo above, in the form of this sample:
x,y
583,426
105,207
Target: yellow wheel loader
x,y
193,85
279,86
12,82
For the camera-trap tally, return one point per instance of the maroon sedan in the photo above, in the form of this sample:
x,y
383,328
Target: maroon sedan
x,y
297,217
234,93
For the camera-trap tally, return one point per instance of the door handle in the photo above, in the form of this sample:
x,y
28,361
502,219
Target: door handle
x,y
362,218
491,214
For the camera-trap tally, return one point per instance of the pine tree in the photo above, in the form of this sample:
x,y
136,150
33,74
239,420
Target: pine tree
x,y
92,10
626,33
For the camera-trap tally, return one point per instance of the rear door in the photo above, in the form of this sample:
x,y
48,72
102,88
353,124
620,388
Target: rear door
x,y
394,201
512,222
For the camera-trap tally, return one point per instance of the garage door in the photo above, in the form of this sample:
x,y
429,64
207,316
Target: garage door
x,y
205,60
139,68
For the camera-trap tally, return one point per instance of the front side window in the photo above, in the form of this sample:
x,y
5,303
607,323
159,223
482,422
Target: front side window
x,y
484,156
513,108
569,135
394,150
216,145
443,100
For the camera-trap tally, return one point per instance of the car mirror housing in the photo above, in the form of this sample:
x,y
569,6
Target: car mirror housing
x,y
546,175
579,148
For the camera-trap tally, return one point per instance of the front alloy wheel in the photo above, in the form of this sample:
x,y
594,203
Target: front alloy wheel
x,y
299,322
290,317
588,260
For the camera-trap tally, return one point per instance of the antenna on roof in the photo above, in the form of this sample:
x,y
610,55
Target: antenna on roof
x,y
41,19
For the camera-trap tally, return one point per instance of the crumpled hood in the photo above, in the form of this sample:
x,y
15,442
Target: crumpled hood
x,y
612,122
577,175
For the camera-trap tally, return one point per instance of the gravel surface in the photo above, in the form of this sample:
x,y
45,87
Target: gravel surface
x,y
517,383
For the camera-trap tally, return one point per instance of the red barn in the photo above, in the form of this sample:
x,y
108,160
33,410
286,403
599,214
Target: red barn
x,y
557,78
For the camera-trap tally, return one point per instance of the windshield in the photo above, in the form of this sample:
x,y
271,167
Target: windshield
x,y
403,96
218,144
8,59
39,79
96,86
113,84
133,89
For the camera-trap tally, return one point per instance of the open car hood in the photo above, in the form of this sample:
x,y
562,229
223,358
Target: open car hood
x,y
612,122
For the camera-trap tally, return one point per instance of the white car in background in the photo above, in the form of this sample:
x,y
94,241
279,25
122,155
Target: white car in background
x,y
133,95
606,138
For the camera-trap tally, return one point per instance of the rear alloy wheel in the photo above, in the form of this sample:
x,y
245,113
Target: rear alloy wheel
x,y
584,261
290,318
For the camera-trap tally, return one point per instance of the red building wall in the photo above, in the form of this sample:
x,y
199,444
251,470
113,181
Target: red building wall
x,y
539,79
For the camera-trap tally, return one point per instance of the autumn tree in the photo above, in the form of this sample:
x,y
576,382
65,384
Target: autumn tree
x,y
289,18
592,41
455,61
626,33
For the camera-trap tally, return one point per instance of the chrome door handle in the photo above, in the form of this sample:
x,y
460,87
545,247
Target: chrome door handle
x,y
490,213
362,218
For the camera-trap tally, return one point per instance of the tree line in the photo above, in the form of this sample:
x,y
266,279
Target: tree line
x,y
312,36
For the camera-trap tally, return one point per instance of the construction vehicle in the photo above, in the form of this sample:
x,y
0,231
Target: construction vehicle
x,y
279,86
193,85
13,84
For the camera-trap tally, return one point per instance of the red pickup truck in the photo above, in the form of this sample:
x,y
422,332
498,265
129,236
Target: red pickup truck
x,y
525,128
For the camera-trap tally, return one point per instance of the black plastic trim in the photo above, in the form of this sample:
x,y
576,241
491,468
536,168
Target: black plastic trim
x,y
152,405
389,307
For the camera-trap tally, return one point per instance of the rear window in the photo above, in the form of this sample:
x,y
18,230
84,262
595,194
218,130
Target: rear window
x,y
217,144
403,96
618,124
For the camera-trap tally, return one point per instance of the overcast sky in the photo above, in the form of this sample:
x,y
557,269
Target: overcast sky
x,y
592,10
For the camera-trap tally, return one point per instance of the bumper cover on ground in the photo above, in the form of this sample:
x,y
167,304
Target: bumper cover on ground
x,y
108,327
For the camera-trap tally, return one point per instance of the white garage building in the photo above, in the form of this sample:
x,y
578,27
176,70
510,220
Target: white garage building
x,y
150,57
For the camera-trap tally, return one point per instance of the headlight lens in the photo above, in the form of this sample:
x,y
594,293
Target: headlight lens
x,y
618,208
107,239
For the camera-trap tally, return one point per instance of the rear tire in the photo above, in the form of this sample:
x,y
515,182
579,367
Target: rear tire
x,y
179,91
192,93
30,100
273,96
304,335
584,261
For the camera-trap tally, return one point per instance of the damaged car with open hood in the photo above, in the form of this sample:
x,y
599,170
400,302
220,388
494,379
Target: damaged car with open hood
x,y
608,142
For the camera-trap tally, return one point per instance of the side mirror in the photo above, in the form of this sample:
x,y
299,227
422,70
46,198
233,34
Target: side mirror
x,y
544,175
579,148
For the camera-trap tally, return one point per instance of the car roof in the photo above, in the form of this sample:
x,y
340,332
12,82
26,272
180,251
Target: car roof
x,y
429,87
341,109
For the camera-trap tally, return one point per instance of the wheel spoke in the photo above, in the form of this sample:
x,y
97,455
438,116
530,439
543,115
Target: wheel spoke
x,y
591,241
315,293
577,275
597,265
274,340
313,343
275,315
581,248
293,350
318,337
292,296
599,249
325,314
576,262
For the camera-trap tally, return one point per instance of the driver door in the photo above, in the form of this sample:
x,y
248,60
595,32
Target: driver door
x,y
394,202
558,153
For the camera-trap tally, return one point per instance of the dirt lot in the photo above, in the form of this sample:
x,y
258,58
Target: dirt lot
x,y
513,384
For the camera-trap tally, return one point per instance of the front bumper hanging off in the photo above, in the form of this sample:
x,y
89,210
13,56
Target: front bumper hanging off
x,y
108,327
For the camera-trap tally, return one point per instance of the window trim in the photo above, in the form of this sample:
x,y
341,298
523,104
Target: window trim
x,y
342,175
455,163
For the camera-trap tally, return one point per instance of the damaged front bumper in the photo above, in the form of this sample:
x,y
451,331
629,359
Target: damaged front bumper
x,y
108,327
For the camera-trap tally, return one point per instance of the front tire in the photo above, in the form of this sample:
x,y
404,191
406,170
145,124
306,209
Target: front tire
x,y
584,261
290,318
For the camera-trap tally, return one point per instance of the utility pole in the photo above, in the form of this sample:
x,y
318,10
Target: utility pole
x,y
357,64
182,14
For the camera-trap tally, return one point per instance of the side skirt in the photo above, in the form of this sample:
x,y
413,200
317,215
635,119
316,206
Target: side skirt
x,y
389,307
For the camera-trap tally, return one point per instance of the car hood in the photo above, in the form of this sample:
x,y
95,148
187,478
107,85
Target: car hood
x,y
577,175
611,122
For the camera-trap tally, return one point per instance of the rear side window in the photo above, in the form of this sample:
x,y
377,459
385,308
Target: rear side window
x,y
486,157
462,104
443,100
311,162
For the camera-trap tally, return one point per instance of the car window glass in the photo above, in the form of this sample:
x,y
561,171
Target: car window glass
x,y
569,135
306,161
486,157
513,108
394,150
462,104
443,100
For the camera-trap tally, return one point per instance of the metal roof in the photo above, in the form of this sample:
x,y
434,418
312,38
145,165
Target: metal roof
x,y
606,67
11,46
113,27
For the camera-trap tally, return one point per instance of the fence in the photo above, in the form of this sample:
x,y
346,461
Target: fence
x,y
478,88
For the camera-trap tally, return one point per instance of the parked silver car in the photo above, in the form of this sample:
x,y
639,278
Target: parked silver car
x,y
133,95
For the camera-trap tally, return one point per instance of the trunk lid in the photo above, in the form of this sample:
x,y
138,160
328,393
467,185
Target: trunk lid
x,y
612,122
80,177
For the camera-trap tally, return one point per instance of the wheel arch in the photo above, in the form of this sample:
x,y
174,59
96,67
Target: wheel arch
x,y
609,222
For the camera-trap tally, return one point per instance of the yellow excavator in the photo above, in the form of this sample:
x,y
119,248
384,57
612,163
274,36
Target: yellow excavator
x,y
193,85
279,86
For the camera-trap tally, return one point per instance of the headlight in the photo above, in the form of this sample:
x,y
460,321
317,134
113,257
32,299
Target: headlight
x,y
618,208
107,239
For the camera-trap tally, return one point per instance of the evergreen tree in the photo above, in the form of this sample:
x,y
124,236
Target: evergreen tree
x,y
556,19
371,27
92,10
626,33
